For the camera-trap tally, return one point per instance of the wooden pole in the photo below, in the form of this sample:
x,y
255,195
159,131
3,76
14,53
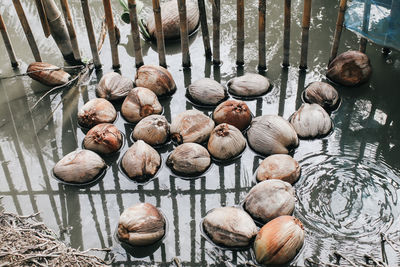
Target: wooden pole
x,y
111,33
135,33
91,36
367,11
159,33
216,17
71,29
184,33
262,64
338,31
204,28
240,33
27,30
286,33
305,33
43,18
7,43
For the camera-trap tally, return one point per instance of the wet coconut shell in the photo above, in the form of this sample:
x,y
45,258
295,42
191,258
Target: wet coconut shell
x,y
140,102
47,74
170,19
141,225
322,94
311,121
189,158
96,111
226,142
104,138
156,78
350,68
230,227
113,86
141,161
233,112
279,241
272,134
79,166
250,84
270,199
191,126
154,130
207,91
279,166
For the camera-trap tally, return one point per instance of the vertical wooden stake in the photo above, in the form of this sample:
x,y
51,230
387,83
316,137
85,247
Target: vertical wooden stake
x,y
135,33
367,11
305,33
286,33
7,43
216,15
262,64
90,31
71,29
111,33
27,30
204,28
159,33
43,18
240,33
338,31
184,33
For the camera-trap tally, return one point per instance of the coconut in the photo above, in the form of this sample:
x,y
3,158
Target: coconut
x,y
322,94
113,86
103,138
96,111
207,91
189,159
226,142
279,166
156,78
250,84
47,74
233,112
154,130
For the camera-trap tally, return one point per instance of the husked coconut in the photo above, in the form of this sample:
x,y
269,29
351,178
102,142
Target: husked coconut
x,y
322,94
207,91
189,159
103,138
96,111
233,112
155,78
113,86
250,84
47,74
279,166
226,142
154,130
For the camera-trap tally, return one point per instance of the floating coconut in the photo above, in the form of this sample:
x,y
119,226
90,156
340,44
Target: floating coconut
x,y
250,85
154,130
103,138
79,166
226,142
156,78
47,74
350,68
233,112
141,225
311,121
96,111
189,159
322,94
279,166
113,86
207,91
230,227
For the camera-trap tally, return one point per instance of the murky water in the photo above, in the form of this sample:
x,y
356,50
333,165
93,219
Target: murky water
x,y
348,192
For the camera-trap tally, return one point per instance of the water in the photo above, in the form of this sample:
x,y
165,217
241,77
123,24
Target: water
x,y
348,191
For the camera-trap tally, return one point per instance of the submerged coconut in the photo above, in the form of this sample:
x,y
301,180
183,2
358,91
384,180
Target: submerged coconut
x,y
226,142
279,166
47,74
272,134
311,121
141,225
350,68
141,161
103,138
140,103
189,158
250,84
233,112
279,241
79,166
154,130
322,94
270,199
207,91
113,86
96,111
191,126
156,78
230,227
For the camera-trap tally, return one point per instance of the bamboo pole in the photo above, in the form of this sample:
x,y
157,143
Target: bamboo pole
x,y
135,33
27,30
305,33
286,33
240,33
43,18
338,31
111,33
90,31
159,33
71,29
216,17
366,15
204,28
7,43
262,64
184,33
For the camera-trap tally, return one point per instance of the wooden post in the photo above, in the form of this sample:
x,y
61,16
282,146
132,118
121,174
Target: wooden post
x,y
367,11
305,33
216,17
90,31
111,33
184,33
204,28
338,31
71,29
7,43
240,33
27,30
159,33
262,64
43,18
135,33
286,33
